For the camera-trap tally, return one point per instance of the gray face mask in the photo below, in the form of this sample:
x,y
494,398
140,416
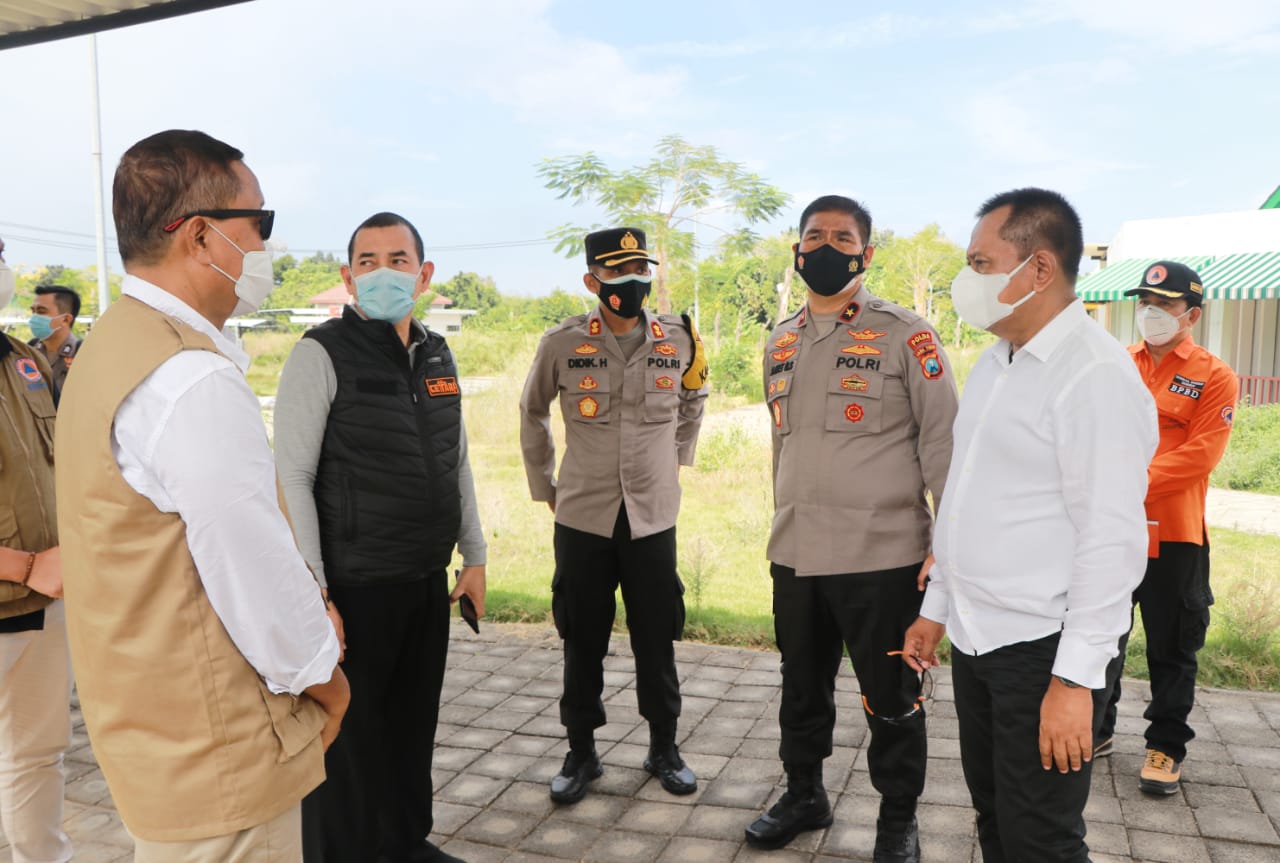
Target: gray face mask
x,y
8,284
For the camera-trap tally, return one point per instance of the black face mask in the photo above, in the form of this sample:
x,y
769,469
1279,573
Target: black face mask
x,y
826,270
625,296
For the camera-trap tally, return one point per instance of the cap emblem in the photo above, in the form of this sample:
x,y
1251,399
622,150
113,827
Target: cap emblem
x,y
1156,275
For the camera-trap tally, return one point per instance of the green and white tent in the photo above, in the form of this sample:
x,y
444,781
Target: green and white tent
x,y
1243,276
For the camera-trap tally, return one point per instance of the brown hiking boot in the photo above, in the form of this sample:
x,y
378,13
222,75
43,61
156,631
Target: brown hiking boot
x,y
1160,774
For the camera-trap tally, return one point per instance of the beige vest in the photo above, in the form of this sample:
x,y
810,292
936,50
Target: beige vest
x,y
189,738
27,516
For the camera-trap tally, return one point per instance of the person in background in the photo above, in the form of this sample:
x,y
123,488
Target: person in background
x,y
53,315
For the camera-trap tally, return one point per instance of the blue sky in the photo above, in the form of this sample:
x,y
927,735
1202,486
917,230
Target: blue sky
x,y
441,110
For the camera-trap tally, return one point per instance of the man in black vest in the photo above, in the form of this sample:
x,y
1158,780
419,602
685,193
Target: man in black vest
x,y
372,455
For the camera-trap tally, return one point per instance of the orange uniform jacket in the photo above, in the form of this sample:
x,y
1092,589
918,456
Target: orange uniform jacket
x,y
1195,395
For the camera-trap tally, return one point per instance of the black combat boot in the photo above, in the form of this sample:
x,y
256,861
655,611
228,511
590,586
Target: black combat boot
x,y
664,760
581,766
897,834
803,807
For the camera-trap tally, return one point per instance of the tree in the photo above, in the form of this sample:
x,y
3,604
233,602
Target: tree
x,y
662,197
470,291
282,265
912,268
298,284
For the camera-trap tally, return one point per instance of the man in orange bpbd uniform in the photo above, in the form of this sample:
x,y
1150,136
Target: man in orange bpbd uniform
x,y
1195,395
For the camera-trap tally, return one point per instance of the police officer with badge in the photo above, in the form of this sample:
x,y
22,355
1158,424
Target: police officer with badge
x,y
53,314
861,400
632,386
1195,394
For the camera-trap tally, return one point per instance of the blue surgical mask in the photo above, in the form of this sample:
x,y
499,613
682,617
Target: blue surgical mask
x,y
42,326
386,294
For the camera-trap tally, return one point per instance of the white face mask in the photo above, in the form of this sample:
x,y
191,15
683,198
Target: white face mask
x,y
975,296
1157,326
257,278
8,284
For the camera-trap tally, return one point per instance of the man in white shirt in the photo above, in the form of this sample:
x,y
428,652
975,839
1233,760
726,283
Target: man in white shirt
x,y
1041,537
206,664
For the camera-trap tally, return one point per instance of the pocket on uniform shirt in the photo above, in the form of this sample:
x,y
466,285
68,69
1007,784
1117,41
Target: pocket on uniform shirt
x,y
853,402
661,402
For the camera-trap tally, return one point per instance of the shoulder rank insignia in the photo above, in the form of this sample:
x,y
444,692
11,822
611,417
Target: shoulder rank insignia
x,y
588,406
666,349
804,316
785,354
861,350
866,335
776,407
853,413
585,348
27,367
850,312
656,329
588,383
786,340
854,384
666,382
594,327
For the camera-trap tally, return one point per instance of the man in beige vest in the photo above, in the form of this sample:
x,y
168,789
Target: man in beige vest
x,y
35,672
206,666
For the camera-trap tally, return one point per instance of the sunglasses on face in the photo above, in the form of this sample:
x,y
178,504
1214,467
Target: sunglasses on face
x,y
266,219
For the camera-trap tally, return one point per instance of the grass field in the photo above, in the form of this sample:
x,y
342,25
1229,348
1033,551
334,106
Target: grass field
x,y
724,525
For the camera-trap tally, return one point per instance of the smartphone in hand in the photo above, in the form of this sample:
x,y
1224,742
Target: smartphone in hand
x,y
468,609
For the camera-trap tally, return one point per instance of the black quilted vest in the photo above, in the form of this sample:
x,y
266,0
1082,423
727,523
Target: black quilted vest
x,y
387,482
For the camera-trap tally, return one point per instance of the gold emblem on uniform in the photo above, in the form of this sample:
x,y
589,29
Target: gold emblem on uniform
x,y
861,350
854,384
783,355
656,329
853,413
866,335
777,414
787,340
588,406
777,386
665,383
666,349
587,349
594,327
588,383
629,243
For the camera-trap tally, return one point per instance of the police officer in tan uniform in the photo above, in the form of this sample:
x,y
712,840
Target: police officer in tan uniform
x,y
861,399
632,387
53,314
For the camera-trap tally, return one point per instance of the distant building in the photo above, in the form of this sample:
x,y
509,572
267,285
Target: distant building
x,y
441,316
1237,256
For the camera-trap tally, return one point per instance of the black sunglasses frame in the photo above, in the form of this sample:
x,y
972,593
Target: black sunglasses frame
x,y
266,219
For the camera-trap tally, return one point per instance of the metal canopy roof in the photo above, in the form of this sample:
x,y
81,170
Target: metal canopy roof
x,y
28,22
1244,276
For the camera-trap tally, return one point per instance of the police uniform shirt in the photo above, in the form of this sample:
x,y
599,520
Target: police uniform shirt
x,y
629,423
61,361
861,405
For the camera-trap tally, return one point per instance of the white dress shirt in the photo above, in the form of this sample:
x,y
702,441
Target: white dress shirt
x,y
190,438
1042,528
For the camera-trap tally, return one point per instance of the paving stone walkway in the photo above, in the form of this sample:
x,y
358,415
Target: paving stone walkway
x,y
500,742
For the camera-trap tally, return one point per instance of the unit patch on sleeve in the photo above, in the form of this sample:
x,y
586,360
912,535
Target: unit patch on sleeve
x,y
588,406
442,387
1228,414
853,413
861,350
586,348
27,367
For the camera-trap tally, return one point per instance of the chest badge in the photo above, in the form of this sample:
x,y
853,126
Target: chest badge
x,y
777,386
854,384
853,413
866,335
786,341
588,407
656,329
585,348
666,349
861,350
27,367
783,355
588,383
777,414
442,387
665,383
594,327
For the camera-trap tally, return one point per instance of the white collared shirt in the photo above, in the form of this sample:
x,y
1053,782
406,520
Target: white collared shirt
x,y
190,438
1042,528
